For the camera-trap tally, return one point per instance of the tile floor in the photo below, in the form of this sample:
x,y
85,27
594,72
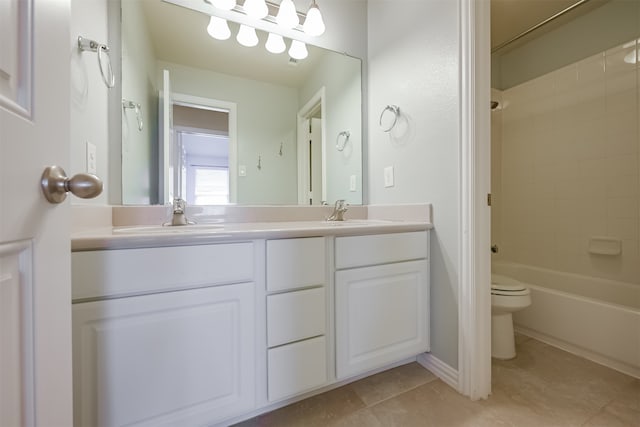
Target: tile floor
x,y
541,387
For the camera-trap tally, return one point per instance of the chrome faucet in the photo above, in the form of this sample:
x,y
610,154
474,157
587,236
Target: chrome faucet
x,y
338,210
178,216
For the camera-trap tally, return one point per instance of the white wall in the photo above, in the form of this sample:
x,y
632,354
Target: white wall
x,y
139,148
266,117
413,60
89,94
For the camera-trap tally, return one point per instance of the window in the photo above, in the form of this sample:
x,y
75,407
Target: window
x,y
211,186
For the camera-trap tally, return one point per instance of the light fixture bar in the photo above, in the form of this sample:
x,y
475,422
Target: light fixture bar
x,y
238,15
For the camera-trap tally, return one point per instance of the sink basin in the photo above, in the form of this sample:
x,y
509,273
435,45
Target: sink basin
x,y
167,229
349,222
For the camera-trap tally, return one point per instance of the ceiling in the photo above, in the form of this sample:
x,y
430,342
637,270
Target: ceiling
x,y
509,18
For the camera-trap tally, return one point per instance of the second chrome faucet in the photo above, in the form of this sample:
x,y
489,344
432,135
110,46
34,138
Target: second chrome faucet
x,y
339,209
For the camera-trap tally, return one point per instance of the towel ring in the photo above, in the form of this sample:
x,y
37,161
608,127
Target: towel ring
x,y
93,46
396,112
137,108
340,146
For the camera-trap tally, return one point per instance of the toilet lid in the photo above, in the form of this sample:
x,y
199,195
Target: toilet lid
x,y
502,285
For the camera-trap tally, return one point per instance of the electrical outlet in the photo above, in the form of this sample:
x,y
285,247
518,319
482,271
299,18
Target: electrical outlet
x,y
352,183
388,176
242,170
91,159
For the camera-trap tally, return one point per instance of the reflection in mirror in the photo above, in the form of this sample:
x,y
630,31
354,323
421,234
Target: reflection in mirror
x,y
282,140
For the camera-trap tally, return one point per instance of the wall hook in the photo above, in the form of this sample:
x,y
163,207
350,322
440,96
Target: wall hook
x,y
280,152
259,162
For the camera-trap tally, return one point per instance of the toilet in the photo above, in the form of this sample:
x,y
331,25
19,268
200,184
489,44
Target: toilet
x,y
507,295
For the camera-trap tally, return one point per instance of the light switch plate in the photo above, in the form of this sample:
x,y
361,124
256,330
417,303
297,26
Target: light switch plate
x,y
91,158
352,183
388,176
242,170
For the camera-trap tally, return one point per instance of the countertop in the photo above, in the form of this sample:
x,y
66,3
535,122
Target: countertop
x,y
144,236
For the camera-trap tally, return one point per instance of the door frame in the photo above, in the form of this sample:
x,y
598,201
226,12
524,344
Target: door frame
x,y
317,100
474,296
231,108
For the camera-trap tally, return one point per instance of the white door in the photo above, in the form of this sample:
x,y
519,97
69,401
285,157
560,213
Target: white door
x,y
316,191
35,284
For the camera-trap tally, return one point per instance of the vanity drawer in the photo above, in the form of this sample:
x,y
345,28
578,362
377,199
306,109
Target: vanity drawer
x,y
297,367
295,263
294,316
357,251
137,271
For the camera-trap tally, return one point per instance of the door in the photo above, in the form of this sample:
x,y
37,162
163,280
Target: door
x,y
35,284
315,162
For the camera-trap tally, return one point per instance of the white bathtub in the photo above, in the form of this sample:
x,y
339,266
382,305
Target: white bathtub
x,y
596,318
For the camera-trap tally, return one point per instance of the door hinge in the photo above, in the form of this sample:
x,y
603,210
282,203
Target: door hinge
x,y
489,199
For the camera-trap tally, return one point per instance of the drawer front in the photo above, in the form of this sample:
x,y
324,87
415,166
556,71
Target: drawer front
x,y
134,271
357,251
295,263
297,367
294,316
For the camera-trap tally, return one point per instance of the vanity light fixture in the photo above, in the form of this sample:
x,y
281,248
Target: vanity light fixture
x,y
256,9
218,28
287,16
224,4
275,43
298,50
247,36
313,23
255,14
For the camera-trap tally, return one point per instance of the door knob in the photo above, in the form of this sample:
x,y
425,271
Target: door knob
x,y
55,185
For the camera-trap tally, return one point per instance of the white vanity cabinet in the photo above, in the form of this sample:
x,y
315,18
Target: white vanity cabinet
x,y
164,336
296,316
381,300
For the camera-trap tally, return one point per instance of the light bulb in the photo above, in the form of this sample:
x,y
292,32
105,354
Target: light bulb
x,y
247,36
224,4
287,16
275,43
313,24
298,50
257,9
218,28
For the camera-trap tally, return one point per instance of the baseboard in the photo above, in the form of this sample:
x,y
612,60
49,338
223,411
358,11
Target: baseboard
x,y
443,371
580,351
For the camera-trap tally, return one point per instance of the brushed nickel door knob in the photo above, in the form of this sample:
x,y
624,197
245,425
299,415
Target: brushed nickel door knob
x,y
55,185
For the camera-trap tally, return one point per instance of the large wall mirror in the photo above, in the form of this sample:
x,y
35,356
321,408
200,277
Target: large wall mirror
x,y
215,122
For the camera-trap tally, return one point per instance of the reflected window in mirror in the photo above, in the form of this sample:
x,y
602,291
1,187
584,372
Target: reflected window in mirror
x,y
202,138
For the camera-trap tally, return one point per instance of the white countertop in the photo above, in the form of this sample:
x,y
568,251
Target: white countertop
x,y
144,236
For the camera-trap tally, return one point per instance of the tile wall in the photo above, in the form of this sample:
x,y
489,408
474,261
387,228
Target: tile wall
x,y
568,152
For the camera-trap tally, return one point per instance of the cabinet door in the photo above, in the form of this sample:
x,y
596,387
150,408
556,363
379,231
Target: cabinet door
x,y
177,358
381,315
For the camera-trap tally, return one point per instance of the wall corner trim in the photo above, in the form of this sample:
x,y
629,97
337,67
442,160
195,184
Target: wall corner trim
x,y
440,369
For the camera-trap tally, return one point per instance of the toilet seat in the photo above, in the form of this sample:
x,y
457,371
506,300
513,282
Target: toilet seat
x,y
507,286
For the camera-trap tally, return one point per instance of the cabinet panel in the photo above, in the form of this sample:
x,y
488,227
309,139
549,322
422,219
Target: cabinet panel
x,y
381,315
178,358
297,367
131,271
294,316
358,251
295,263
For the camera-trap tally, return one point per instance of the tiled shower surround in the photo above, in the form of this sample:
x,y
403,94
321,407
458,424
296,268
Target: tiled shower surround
x,y
566,155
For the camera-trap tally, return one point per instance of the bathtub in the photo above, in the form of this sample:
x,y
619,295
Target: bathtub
x,y
598,319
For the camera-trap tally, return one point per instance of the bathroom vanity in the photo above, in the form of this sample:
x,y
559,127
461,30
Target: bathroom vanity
x,y
212,326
